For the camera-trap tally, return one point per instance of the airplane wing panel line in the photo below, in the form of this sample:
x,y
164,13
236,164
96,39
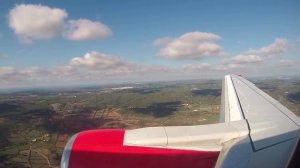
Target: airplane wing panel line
x,y
235,112
238,100
247,122
272,103
249,128
265,120
167,138
290,139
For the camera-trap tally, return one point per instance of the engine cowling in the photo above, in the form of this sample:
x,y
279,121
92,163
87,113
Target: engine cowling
x,y
104,148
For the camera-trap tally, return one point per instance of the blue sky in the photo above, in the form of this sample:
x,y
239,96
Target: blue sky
x,y
99,41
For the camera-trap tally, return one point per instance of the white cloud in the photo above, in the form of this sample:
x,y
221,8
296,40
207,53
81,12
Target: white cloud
x,y
203,66
255,56
102,63
34,22
279,46
162,41
66,72
92,67
12,75
6,70
246,59
285,63
31,22
84,29
94,63
192,45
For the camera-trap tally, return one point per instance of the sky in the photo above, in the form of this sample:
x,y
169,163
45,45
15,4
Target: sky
x,y
61,43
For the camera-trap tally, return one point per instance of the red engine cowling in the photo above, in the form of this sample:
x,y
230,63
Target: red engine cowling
x,y
105,149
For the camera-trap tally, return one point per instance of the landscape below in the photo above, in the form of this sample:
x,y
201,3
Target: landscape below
x,y
35,125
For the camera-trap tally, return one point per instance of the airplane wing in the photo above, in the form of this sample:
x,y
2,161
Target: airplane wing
x,y
255,130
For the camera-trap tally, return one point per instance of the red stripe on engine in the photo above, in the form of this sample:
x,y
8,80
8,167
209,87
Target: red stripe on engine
x,y
104,149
